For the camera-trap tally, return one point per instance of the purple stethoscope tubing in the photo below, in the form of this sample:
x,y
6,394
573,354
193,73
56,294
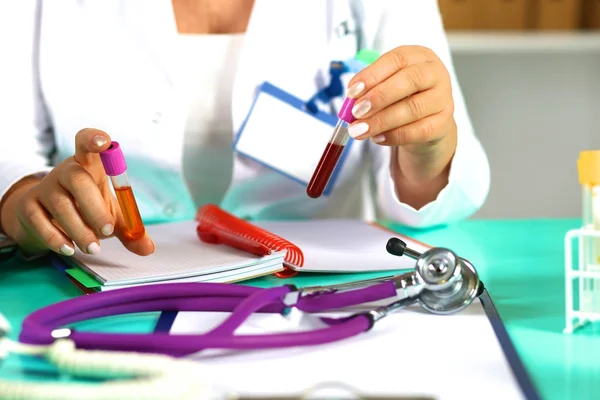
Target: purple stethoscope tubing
x,y
240,300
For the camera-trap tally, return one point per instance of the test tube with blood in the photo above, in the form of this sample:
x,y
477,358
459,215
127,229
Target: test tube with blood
x,y
115,166
333,151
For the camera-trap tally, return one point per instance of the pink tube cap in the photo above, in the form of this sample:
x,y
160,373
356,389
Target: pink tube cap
x,y
345,113
113,160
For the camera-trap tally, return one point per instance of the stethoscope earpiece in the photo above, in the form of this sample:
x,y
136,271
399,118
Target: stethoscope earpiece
x,y
395,247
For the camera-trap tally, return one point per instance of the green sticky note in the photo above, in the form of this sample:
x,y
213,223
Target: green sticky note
x,y
84,278
367,56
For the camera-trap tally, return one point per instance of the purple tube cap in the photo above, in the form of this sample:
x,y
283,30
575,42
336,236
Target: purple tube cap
x,y
113,160
345,113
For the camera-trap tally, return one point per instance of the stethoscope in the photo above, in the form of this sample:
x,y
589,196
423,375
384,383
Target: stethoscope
x,y
441,283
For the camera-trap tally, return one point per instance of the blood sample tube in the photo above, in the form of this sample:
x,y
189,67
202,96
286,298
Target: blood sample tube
x,y
333,151
116,167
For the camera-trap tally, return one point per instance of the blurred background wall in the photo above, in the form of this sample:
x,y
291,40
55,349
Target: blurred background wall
x,y
530,72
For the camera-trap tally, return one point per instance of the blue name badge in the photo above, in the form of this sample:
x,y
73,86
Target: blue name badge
x,y
281,134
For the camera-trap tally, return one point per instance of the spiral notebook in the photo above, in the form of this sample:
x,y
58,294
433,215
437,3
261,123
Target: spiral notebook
x,y
215,248
322,245
180,256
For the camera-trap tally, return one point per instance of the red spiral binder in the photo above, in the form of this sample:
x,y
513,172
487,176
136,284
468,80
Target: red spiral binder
x,y
216,225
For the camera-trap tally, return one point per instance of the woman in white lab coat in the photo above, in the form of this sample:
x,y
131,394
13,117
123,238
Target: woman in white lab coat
x,y
172,81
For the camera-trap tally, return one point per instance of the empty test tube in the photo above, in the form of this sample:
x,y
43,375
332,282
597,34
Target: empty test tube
x,y
115,166
333,151
589,178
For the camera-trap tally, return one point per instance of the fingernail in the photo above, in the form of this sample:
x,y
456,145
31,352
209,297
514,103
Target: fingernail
x,y
67,250
378,139
107,229
99,141
355,89
361,108
358,129
93,248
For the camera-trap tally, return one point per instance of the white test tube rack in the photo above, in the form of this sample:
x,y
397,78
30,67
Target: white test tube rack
x,y
587,276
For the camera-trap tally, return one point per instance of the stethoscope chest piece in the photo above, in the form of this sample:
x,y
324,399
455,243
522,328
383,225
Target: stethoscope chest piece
x,y
453,294
445,283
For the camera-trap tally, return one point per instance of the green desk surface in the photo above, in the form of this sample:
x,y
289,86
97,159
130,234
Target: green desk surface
x,y
520,261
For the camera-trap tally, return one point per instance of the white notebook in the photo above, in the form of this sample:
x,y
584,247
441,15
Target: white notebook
x,y
180,256
327,246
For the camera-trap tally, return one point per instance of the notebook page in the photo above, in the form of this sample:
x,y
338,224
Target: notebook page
x,y
410,352
232,276
338,245
179,253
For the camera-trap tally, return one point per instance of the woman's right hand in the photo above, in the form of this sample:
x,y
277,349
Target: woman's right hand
x,y
72,205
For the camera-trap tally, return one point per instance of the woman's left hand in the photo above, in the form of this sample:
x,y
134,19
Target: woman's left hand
x,y
404,100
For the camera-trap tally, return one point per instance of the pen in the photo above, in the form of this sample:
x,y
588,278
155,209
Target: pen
x,y
218,236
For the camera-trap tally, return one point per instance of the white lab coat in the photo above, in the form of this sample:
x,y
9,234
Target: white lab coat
x,y
70,64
